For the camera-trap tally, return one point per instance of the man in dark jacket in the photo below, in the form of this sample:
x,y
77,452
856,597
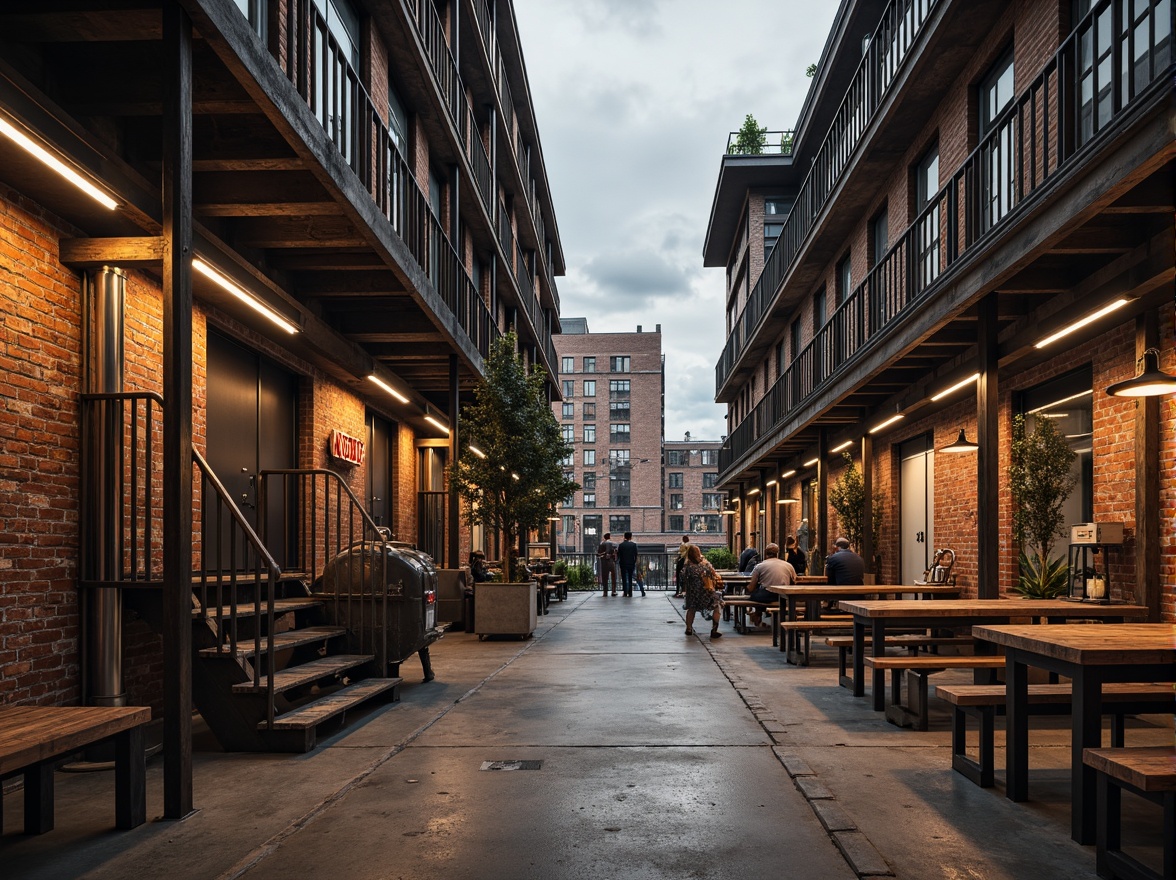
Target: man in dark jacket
x,y
749,558
606,556
844,566
627,560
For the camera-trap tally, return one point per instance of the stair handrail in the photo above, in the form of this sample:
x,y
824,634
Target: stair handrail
x,y
367,618
265,571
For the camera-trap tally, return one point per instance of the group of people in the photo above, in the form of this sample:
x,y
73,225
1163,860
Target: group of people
x,y
611,556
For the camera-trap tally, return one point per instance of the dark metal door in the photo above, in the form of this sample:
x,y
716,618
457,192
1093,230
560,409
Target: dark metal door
x,y
379,470
251,427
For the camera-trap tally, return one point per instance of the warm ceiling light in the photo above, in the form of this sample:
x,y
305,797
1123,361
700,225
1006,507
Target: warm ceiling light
x,y
770,483
513,475
840,446
811,462
243,295
476,451
1082,322
956,387
789,501
56,164
1150,381
439,425
753,491
787,474
1040,409
961,444
886,424
388,388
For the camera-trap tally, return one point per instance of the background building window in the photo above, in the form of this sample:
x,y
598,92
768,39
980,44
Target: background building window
x,y
569,410
618,489
844,280
927,224
567,365
618,364
618,525
590,481
618,434
677,523
705,522
710,480
568,433
589,387
590,457
589,365
676,458
675,480
569,388
676,502
590,433
711,500
589,410
710,456
618,457
618,410
589,499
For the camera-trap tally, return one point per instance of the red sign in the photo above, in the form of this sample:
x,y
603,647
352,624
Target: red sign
x,y
346,448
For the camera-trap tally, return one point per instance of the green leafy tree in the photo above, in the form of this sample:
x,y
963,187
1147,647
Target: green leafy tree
x,y
721,557
847,496
519,479
1041,478
751,138
810,71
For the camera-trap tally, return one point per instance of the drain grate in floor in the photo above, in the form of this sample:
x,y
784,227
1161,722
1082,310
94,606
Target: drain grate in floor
x,y
511,765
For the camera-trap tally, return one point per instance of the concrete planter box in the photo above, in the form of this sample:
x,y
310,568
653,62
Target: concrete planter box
x,y
504,609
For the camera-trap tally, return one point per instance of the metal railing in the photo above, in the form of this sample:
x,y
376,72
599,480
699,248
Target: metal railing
x,y
889,47
320,518
775,142
1042,135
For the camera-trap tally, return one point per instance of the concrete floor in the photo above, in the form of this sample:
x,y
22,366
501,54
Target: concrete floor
x,y
662,756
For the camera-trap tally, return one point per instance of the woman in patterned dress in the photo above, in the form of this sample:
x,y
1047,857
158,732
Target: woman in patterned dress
x,y
698,597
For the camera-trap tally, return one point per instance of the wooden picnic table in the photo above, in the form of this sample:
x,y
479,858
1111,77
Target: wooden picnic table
x,y
877,616
813,594
1089,656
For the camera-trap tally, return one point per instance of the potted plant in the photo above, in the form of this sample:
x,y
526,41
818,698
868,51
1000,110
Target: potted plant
x,y
750,139
517,478
847,497
1041,478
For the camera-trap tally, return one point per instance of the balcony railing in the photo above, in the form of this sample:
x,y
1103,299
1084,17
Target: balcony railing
x,y
889,47
321,73
1055,121
774,142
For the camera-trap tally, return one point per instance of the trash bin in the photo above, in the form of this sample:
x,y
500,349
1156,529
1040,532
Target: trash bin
x,y
409,578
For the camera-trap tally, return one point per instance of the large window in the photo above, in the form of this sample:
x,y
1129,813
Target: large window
x,y
675,479
710,480
710,456
775,213
334,99
997,143
590,433
254,10
677,458
844,279
677,501
590,481
618,489
711,500
569,388
568,432
618,364
589,365
618,457
1068,402
705,522
618,434
567,365
677,523
569,410
618,389
589,410
618,525
618,410
589,499
926,174
589,387
398,123
590,457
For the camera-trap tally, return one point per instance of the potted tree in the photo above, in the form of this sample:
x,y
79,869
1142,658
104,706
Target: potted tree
x,y
516,477
1041,478
750,139
847,497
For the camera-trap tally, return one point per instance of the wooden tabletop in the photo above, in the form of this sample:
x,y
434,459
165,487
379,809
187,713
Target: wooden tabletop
x,y
1113,644
29,734
833,591
881,608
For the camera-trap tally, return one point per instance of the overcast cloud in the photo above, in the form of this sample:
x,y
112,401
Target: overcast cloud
x,y
635,99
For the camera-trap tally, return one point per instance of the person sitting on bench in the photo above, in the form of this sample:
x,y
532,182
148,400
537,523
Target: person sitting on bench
x,y
772,572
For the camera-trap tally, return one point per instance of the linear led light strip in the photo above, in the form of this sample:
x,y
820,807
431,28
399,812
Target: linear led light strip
x,y
240,293
1105,310
377,380
956,387
56,164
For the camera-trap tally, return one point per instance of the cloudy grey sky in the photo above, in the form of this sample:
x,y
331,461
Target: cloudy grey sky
x,y
634,100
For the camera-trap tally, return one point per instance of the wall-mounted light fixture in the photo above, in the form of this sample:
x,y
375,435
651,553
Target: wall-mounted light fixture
x,y
787,474
751,492
956,387
841,447
214,275
377,380
789,501
886,424
770,483
811,462
1150,380
1082,322
436,423
961,444
47,158
476,451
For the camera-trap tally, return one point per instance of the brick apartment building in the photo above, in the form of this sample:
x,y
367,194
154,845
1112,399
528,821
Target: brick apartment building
x,y
613,414
290,233
972,219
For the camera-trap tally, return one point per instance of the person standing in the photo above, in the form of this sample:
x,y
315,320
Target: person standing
x,y
772,572
627,560
704,590
606,556
749,558
794,556
843,566
678,563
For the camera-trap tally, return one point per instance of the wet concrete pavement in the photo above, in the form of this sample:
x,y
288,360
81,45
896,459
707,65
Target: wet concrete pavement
x,y
655,755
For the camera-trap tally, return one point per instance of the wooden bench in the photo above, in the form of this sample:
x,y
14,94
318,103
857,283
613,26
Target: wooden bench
x,y
806,628
911,641
34,738
740,605
916,670
1149,773
985,701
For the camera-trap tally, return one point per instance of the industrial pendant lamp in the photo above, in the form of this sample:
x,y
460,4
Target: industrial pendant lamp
x,y
961,444
1151,381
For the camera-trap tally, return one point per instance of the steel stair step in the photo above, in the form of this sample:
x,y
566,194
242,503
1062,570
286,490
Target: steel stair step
x,y
306,673
313,714
281,606
282,641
